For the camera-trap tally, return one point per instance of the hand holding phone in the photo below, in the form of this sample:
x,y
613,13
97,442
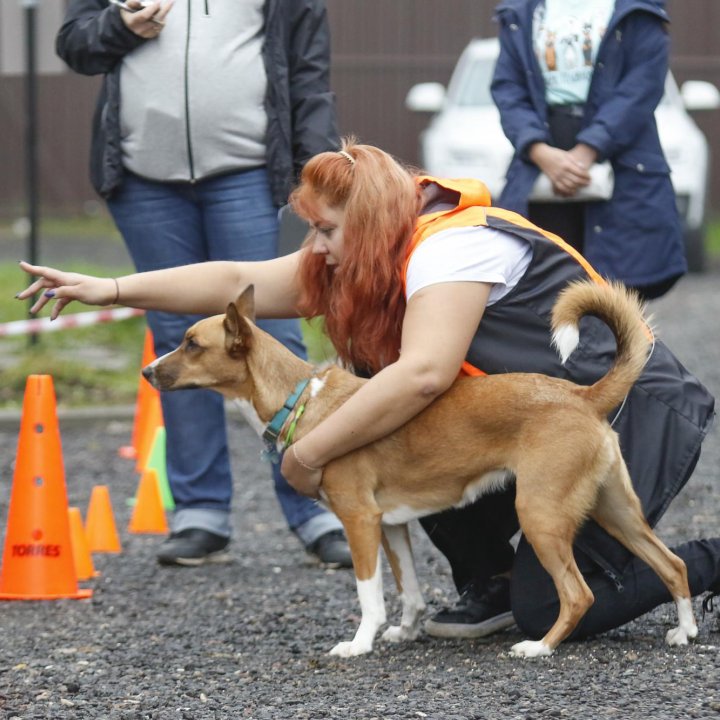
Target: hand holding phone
x,y
138,25
122,4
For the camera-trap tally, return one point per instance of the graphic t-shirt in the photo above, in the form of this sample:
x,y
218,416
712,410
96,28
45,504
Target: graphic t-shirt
x,y
566,37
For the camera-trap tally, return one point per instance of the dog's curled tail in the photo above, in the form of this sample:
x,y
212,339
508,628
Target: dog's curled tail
x,y
621,310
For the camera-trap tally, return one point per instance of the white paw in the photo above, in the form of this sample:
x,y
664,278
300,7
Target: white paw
x,y
680,635
350,649
530,648
398,633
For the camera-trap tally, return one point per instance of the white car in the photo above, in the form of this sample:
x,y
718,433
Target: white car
x,y
465,139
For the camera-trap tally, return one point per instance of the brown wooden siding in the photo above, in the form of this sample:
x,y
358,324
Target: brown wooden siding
x,y
380,49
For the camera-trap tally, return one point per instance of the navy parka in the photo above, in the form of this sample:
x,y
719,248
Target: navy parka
x,y
636,236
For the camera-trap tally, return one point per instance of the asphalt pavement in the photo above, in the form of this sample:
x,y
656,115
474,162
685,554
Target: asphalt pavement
x,y
250,639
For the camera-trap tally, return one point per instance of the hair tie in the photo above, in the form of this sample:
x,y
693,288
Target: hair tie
x,y
347,156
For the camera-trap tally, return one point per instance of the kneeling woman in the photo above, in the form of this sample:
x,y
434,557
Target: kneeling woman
x,y
418,278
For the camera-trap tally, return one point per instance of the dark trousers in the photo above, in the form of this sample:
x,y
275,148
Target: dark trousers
x,y
475,538
535,603
567,219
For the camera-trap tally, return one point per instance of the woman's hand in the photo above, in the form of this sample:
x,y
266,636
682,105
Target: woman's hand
x,y
149,20
302,476
65,287
584,155
568,172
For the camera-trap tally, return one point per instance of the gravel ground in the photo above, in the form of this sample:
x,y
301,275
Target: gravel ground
x,y
250,639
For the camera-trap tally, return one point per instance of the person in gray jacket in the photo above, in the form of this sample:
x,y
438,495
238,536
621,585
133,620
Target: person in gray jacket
x,y
207,113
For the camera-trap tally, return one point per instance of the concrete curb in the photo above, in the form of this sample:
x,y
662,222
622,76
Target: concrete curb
x,y
10,419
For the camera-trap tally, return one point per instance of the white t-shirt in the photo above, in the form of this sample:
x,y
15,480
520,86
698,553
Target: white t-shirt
x,y
469,254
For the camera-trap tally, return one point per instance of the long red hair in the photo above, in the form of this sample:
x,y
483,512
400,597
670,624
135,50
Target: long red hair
x,y
362,298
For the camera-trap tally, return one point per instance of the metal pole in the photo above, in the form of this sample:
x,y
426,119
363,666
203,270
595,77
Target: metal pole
x,y
31,164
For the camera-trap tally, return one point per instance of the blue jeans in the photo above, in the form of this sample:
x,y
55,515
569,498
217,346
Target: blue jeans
x,y
230,217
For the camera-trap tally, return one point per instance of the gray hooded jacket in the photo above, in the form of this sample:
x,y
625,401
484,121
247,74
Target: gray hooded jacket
x,y
299,107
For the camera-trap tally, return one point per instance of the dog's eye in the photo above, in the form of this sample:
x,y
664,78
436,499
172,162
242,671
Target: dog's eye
x,y
191,345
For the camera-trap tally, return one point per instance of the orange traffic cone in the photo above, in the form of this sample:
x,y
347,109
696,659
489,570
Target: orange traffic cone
x,y
84,568
146,394
148,515
102,535
153,421
38,559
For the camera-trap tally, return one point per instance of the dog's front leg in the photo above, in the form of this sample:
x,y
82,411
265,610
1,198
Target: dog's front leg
x,y
396,541
364,539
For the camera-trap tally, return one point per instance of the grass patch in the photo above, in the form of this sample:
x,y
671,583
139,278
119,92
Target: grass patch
x,y
712,238
99,225
77,383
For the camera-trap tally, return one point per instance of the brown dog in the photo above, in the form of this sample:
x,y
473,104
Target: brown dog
x,y
549,435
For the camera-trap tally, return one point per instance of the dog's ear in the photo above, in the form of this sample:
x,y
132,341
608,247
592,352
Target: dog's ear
x,y
238,333
245,302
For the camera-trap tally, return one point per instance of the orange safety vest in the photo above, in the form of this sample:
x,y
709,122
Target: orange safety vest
x,y
473,209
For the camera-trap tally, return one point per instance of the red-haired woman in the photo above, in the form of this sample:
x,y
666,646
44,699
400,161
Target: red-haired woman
x,y
419,278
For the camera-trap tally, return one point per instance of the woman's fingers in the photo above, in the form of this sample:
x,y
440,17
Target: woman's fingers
x,y
65,287
47,277
47,296
148,22
59,307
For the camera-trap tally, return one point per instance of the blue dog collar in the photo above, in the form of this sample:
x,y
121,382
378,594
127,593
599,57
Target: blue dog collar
x,y
272,431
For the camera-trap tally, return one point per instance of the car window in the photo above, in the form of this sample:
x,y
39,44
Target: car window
x,y
473,86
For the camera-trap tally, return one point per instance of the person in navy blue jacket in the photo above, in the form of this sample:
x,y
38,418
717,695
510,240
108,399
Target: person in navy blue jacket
x,y
577,83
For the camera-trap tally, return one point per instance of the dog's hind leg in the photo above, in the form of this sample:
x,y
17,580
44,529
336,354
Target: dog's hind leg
x,y
551,532
619,512
363,534
398,549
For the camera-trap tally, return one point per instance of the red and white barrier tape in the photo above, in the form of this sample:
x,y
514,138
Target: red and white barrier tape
x,y
64,322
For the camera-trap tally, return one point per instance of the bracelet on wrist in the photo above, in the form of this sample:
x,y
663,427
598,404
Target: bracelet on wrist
x,y
301,463
117,292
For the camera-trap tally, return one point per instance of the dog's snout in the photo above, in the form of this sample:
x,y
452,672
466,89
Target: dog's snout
x,y
148,373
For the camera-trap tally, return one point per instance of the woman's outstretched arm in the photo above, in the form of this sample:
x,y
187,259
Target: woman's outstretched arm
x,y
204,288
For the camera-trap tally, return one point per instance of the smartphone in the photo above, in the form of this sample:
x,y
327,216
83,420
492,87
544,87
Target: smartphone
x,y
125,6
122,4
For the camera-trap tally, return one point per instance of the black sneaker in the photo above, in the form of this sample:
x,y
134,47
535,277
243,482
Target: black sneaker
x,y
708,603
192,547
478,613
332,550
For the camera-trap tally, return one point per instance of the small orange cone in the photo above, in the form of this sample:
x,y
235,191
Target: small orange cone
x,y
102,535
84,568
38,559
145,396
148,515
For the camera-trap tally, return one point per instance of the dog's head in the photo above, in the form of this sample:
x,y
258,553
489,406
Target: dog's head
x,y
213,353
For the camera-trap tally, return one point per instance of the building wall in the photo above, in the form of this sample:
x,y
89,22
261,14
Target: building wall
x,y
380,49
